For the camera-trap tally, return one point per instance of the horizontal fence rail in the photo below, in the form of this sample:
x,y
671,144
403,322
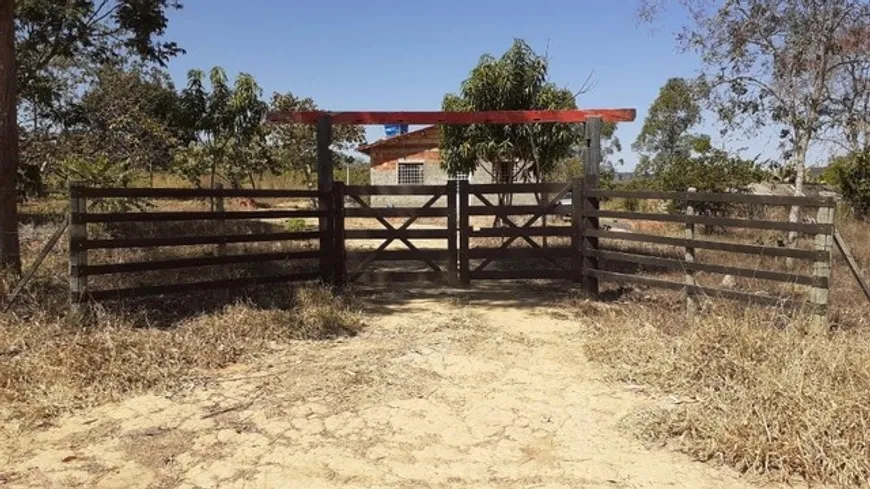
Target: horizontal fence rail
x,y
807,228
193,216
674,264
717,292
205,261
757,250
735,198
182,193
107,244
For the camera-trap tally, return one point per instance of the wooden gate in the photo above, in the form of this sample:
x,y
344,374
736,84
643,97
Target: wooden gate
x,y
523,237
387,252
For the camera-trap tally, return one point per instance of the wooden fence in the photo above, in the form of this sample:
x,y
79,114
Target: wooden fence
x,y
81,267
576,257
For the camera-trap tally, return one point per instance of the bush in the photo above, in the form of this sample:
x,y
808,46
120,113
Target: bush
x,y
851,174
712,170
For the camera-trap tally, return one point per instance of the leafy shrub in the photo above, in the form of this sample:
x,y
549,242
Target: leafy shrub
x,y
851,174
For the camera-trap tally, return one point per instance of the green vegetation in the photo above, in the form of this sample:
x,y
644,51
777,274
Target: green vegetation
x,y
673,158
851,174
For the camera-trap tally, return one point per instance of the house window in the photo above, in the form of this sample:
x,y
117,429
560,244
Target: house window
x,y
502,172
410,173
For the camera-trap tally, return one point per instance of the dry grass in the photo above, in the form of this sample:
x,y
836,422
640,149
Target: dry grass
x,y
50,364
753,389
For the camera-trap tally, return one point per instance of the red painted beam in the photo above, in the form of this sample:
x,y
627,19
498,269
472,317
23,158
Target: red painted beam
x,y
459,118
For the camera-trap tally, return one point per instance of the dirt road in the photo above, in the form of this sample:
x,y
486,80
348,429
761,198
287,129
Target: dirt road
x,y
443,389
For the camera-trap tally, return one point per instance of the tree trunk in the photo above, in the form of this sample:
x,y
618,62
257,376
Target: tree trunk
x,y
799,162
10,258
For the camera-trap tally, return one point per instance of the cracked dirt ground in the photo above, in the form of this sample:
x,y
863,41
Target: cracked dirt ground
x,y
488,390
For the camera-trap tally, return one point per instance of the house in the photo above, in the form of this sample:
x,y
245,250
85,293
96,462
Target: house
x,y
413,158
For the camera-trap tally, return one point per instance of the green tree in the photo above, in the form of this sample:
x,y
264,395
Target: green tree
x,y
851,174
664,138
57,41
780,63
673,158
45,46
295,145
130,118
707,169
518,80
230,137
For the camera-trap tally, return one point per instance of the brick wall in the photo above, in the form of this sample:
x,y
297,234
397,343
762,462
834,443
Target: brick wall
x,y
421,147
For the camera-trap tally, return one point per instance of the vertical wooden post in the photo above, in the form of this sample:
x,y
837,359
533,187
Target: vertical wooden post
x,y
591,165
691,306
576,230
822,270
464,227
78,257
453,251
221,224
340,254
324,186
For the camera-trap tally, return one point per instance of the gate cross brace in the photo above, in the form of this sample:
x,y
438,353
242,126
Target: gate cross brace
x,y
380,218
543,210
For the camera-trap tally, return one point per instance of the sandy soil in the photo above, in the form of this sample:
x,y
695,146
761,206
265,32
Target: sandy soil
x,y
443,389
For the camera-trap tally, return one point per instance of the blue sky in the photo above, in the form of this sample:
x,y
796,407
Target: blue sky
x,y
381,55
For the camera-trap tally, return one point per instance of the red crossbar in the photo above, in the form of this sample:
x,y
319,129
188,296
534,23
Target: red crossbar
x,y
459,118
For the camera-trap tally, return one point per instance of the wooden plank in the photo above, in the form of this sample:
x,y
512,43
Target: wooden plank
x,y
194,216
150,290
361,190
396,233
680,265
199,261
398,212
340,234
709,245
514,253
808,228
853,264
78,257
691,305
107,244
779,200
464,228
400,277
324,203
591,203
52,242
538,274
400,255
516,188
820,294
576,231
701,290
191,193
519,232
517,210
452,229
460,118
